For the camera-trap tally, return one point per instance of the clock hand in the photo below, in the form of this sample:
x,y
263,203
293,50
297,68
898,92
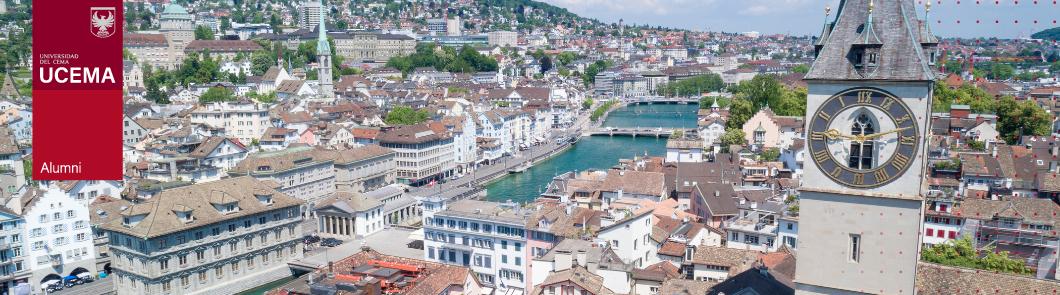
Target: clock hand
x,y
834,134
871,136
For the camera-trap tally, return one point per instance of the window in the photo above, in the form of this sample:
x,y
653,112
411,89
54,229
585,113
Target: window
x,y
184,281
953,234
855,248
163,264
182,259
504,258
165,286
790,226
518,260
861,152
930,232
200,255
218,272
202,276
750,239
235,266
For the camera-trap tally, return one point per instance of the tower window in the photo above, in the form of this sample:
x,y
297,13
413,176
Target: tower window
x,y
861,153
872,58
855,248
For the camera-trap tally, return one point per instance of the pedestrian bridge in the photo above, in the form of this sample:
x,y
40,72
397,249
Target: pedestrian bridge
x,y
633,132
658,100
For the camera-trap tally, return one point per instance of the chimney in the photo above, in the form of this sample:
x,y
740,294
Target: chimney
x,y
754,205
993,150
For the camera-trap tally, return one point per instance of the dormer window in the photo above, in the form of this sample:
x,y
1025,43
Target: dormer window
x,y
872,58
265,199
185,216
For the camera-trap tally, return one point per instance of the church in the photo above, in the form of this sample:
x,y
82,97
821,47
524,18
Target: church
x,y
867,115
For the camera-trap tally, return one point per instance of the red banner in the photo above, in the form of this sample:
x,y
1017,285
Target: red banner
x,y
77,90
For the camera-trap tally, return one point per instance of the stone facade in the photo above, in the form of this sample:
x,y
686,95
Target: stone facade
x,y
220,237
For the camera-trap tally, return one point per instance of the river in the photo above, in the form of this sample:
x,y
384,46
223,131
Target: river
x,y
597,152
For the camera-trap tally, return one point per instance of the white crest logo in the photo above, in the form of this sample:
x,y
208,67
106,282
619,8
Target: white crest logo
x,y
102,20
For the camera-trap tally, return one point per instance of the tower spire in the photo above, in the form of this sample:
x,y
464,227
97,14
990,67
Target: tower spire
x,y
322,35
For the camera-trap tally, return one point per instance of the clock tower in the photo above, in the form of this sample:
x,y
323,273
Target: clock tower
x,y
867,115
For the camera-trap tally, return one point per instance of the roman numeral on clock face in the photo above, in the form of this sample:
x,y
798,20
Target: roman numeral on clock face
x,y
864,97
859,178
908,140
820,156
824,116
882,175
899,161
887,102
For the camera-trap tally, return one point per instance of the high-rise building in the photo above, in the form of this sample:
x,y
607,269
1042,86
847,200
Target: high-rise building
x,y
868,110
310,14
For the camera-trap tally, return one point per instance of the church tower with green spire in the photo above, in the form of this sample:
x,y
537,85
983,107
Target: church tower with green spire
x,y
327,88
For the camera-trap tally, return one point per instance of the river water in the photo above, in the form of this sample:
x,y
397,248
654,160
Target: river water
x,y
597,152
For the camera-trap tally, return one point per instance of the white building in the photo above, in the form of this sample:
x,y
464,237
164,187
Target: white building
x,y
488,237
59,237
348,215
245,121
630,238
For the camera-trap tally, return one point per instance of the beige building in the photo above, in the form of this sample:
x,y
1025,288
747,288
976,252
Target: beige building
x,y
303,172
225,49
220,237
363,168
372,47
502,38
423,154
179,28
150,49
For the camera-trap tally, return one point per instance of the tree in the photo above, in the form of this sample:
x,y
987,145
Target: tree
x,y
217,94
260,62
203,33
546,64
587,103
999,71
707,101
566,58
403,115
693,86
762,90
769,155
800,69
962,253
733,136
740,111
1017,119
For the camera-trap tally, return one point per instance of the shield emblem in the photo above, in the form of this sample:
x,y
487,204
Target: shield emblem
x,y
101,21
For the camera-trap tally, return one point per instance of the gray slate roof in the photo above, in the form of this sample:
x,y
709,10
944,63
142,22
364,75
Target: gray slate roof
x,y
897,27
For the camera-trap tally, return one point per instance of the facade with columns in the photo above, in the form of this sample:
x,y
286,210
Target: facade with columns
x,y
347,215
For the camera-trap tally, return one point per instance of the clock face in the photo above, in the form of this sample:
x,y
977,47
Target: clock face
x,y
863,137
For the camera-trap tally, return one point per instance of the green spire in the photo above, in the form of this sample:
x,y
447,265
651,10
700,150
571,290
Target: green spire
x,y
323,48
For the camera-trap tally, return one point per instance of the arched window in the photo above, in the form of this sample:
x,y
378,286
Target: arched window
x,y
861,153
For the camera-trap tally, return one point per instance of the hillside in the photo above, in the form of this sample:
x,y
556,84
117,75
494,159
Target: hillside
x,y
1048,34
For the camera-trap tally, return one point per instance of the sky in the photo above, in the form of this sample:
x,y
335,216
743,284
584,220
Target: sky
x,y
1015,18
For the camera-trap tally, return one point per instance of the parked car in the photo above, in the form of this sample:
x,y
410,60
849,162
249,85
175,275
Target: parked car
x,y
70,281
309,239
85,278
330,242
51,285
